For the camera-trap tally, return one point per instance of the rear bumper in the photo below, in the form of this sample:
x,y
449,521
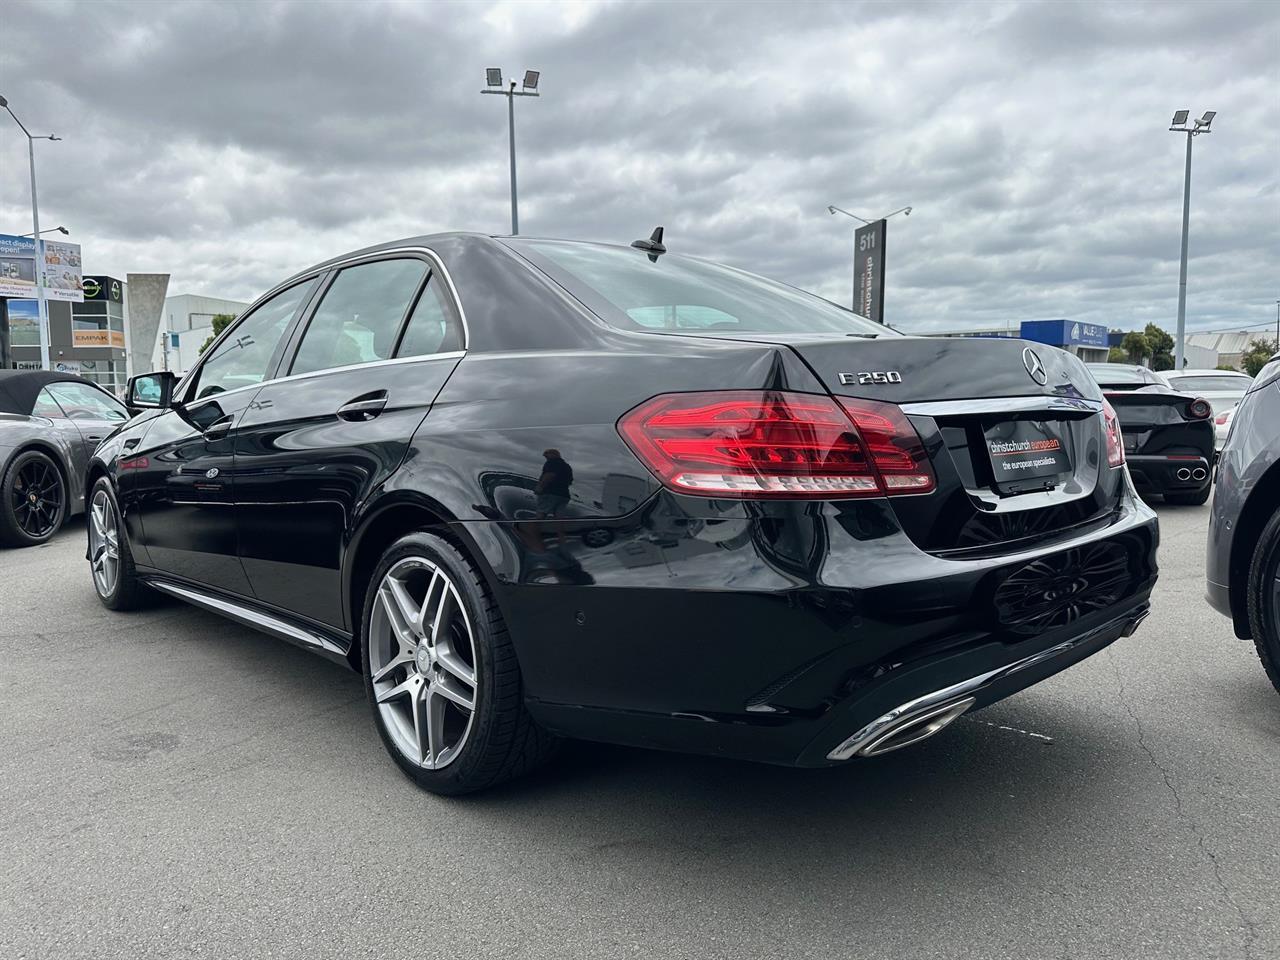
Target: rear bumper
x,y
1160,474
775,632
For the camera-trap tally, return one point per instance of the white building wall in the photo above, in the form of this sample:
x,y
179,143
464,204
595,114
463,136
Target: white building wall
x,y
190,316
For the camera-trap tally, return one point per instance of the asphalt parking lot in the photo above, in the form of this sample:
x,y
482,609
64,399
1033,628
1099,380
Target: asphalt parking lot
x,y
174,785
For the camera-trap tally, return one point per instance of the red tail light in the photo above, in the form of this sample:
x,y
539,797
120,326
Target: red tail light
x,y
1115,442
1199,409
1221,419
771,444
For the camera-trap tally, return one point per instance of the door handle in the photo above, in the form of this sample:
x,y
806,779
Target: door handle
x,y
364,408
219,428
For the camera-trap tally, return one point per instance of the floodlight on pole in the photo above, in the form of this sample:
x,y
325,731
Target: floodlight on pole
x,y
62,230
41,304
493,78
1199,126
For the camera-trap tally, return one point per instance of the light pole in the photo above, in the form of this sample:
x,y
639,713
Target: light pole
x,y
35,228
62,230
493,79
1179,125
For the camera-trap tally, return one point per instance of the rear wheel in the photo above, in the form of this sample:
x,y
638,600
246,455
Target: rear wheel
x,y
35,500
441,672
1264,599
1196,499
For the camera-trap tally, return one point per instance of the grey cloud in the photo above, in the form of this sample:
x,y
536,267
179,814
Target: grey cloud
x,y
233,143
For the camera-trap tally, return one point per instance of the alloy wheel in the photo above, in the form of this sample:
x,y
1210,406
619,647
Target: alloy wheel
x,y
422,661
104,543
37,497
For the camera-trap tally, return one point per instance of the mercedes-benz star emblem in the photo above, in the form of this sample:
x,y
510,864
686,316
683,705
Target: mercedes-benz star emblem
x,y
1031,360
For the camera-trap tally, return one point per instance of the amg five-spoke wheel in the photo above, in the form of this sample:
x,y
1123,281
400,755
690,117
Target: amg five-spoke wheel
x,y
104,542
422,662
441,672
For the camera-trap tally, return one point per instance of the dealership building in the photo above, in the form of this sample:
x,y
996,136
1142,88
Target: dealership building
x,y
1088,341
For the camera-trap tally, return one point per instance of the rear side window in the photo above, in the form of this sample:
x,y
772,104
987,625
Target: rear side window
x,y
360,315
674,293
245,353
46,406
432,327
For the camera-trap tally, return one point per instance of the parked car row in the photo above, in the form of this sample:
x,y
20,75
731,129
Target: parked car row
x,y
536,489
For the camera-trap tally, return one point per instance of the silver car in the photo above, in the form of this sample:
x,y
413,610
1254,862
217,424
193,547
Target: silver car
x,y
50,423
1243,563
1222,388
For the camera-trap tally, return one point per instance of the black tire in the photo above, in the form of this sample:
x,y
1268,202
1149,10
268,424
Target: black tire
x,y
1264,617
27,524
1197,499
128,592
504,741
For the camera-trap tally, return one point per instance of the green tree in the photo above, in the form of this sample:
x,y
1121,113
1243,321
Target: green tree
x,y
1261,349
1117,355
1161,346
1136,346
220,322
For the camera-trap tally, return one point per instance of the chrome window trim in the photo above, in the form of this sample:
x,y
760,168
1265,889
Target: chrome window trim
x,y
369,365
953,408
436,264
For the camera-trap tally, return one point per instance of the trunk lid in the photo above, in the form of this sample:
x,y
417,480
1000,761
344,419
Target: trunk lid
x,y
985,408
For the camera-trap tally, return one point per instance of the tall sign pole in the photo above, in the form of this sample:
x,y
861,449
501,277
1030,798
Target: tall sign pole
x,y
868,270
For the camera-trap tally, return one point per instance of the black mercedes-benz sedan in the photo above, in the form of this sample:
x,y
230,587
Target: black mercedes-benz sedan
x,y
535,489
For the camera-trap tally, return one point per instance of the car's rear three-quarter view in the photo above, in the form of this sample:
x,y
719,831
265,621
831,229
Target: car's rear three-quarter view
x,y
535,489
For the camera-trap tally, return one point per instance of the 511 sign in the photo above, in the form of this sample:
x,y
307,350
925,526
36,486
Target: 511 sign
x,y
868,271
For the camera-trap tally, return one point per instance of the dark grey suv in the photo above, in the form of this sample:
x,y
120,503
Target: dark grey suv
x,y
1244,528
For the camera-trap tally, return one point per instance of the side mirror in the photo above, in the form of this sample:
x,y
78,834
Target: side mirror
x,y
150,391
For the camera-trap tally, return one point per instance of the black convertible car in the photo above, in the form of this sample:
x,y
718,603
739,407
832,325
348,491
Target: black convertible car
x,y
49,426
1168,436
535,488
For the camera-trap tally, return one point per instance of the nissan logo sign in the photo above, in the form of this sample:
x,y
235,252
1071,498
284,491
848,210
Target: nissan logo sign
x,y
1035,367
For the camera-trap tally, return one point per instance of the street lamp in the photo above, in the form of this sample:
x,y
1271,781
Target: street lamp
x,y
62,230
1198,126
905,211
493,81
35,228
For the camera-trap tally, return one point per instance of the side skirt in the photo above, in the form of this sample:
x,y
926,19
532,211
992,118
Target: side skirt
x,y
329,646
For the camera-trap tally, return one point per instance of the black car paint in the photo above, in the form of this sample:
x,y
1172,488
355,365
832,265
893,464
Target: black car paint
x,y
1162,437
751,628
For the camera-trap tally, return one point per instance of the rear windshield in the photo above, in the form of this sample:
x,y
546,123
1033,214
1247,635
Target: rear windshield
x,y
1211,384
674,293
1120,377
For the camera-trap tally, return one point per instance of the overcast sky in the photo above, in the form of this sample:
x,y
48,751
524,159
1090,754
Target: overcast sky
x,y
230,144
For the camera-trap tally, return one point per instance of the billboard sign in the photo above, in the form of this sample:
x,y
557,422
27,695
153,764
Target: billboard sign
x,y
868,271
60,269
106,289
97,338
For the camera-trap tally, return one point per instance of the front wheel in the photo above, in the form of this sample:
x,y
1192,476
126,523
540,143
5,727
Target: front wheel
x,y
441,673
1264,598
110,558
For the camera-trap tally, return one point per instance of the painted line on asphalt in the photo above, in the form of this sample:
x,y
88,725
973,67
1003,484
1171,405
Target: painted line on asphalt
x,y
1001,726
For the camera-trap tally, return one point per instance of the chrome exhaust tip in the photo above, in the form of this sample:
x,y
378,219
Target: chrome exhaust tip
x,y
900,728
1199,473
1183,473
